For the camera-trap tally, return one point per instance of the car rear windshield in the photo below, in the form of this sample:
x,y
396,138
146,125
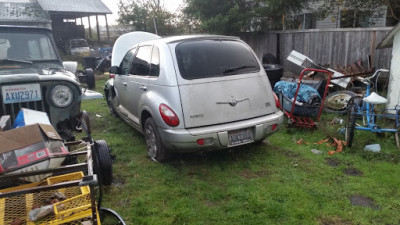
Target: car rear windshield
x,y
214,58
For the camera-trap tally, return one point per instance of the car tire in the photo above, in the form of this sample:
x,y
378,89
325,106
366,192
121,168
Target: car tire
x,y
156,150
103,160
110,104
90,80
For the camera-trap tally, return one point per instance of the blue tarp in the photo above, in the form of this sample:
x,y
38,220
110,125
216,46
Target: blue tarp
x,y
306,93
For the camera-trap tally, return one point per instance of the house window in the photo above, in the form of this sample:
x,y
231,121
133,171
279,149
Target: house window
x,y
303,21
353,18
309,21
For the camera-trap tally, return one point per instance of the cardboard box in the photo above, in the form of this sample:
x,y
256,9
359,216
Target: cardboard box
x,y
30,148
29,116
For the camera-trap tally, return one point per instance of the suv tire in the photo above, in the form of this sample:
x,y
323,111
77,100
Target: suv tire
x,y
155,146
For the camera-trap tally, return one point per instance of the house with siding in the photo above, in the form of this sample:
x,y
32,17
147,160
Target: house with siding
x,y
392,39
337,15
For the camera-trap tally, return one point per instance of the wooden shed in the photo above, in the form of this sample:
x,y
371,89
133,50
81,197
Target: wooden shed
x,y
59,15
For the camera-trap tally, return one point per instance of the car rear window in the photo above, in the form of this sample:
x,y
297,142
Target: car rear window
x,y
214,58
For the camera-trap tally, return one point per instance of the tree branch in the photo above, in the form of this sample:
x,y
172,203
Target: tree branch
x,y
390,7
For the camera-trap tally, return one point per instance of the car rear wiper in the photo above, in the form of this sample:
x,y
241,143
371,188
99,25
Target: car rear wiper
x,y
230,70
15,61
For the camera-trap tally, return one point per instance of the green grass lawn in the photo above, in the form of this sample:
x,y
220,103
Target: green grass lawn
x,y
274,182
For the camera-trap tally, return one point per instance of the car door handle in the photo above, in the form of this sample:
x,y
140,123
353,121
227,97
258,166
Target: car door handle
x,y
144,88
124,83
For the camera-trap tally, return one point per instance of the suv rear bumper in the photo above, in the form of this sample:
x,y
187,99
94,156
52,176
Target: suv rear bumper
x,y
185,140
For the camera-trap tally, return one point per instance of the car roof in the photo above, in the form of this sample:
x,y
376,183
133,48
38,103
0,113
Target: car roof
x,y
196,37
130,40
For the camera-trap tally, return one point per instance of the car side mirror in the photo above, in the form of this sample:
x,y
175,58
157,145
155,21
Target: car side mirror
x,y
114,70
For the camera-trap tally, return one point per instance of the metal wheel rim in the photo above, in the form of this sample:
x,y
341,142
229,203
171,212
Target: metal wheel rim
x,y
151,142
338,101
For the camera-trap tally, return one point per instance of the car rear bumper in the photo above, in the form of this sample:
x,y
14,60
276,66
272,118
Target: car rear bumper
x,y
216,136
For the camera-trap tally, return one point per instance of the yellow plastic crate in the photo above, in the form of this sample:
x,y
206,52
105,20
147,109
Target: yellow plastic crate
x,y
74,210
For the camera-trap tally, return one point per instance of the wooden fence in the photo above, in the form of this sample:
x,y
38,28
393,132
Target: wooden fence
x,y
334,47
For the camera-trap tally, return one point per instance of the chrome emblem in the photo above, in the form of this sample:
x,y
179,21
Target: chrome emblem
x,y
233,102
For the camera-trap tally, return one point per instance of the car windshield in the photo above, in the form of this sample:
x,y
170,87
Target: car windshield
x,y
77,43
26,47
214,58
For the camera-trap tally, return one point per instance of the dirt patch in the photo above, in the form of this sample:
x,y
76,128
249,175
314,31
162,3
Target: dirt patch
x,y
334,221
332,162
353,172
285,152
360,200
248,174
118,181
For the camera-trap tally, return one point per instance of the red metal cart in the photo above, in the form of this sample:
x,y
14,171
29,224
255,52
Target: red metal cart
x,y
309,115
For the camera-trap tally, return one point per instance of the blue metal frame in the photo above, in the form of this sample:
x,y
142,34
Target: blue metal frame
x,y
367,111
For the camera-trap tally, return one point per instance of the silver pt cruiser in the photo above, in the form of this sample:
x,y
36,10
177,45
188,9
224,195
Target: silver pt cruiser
x,y
191,93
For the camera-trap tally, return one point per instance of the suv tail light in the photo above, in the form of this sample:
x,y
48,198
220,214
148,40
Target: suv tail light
x,y
277,102
168,115
112,75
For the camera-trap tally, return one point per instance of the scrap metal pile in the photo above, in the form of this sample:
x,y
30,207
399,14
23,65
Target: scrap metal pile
x,y
46,180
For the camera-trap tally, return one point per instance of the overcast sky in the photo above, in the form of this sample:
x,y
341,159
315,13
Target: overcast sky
x,y
171,5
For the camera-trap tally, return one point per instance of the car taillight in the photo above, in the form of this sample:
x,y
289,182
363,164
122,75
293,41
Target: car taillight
x,y
168,115
274,127
112,75
205,141
277,102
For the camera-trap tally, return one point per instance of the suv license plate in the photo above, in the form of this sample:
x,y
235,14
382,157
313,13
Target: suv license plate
x,y
21,93
237,137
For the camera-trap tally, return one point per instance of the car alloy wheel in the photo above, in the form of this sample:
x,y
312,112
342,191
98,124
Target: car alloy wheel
x,y
155,147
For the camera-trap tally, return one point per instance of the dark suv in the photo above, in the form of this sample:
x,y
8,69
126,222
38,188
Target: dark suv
x,y
33,76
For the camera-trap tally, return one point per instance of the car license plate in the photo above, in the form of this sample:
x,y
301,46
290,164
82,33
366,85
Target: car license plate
x,y
241,136
21,93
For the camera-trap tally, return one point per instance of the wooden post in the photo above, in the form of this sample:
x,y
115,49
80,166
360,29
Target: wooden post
x,y
90,28
97,27
108,31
